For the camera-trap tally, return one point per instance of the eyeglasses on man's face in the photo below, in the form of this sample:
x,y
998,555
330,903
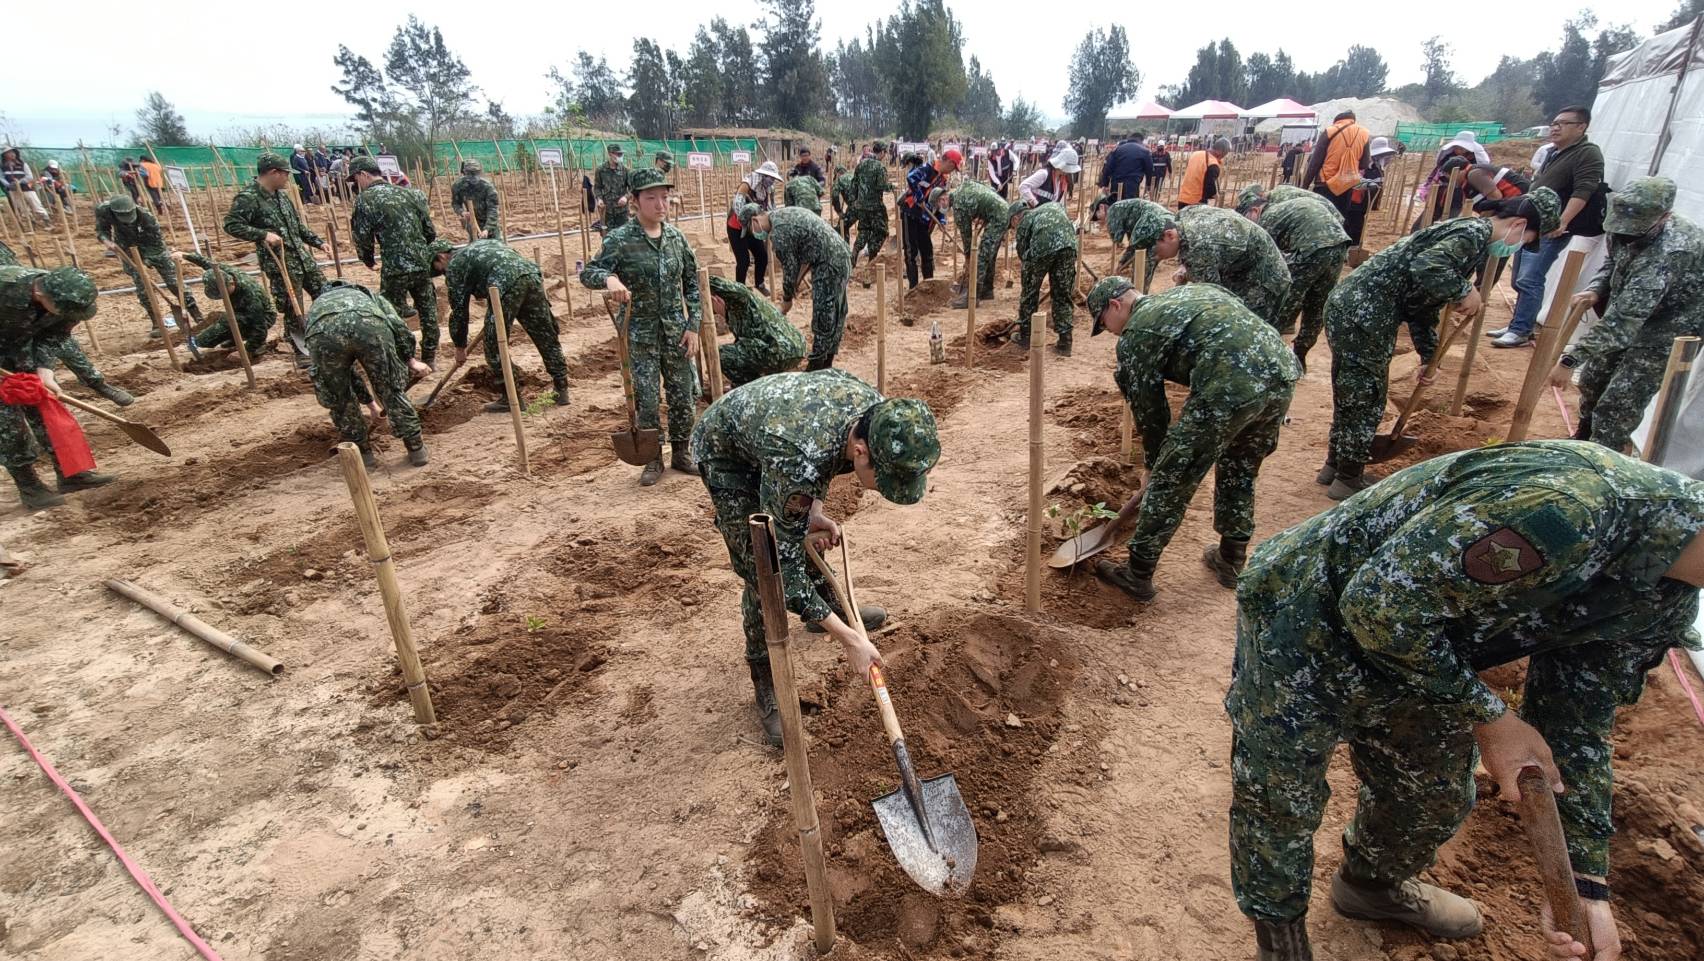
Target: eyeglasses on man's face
x,y
1566,123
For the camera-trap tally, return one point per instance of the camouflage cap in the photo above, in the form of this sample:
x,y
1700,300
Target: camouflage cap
x,y
471,167
1549,207
365,165
1016,208
646,179
663,155
1249,198
270,161
1636,208
123,208
1103,294
72,292
903,447
210,282
1140,222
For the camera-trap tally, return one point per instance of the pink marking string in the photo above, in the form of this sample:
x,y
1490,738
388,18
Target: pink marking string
x,y
136,872
1685,684
1562,405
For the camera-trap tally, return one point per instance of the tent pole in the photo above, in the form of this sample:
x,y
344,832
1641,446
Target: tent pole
x,y
1674,100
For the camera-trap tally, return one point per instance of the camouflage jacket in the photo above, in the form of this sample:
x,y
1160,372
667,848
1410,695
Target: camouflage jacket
x,y
840,197
1553,550
1655,292
342,310
1417,275
254,213
143,233
1203,336
803,191
1220,246
7,257
21,321
784,438
804,240
399,220
752,317
1045,230
1284,193
478,192
610,184
481,265
869,184
976,203
661,274
1301,227
248,296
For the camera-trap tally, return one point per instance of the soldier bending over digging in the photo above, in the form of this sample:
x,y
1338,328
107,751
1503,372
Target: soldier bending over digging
x,y
349,324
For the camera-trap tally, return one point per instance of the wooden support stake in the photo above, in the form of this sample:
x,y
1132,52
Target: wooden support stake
x,y
1126,434
1682,356
378,552
562,243
1032,547
502,332
970,299
797,749
1558,326
881,328
147,288
1139,270
707,336
1473,335
232,327
336,249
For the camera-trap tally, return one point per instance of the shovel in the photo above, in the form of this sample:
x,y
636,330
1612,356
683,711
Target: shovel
x,y
633,445
442,383
1097,539
926,823
1386,446
137,432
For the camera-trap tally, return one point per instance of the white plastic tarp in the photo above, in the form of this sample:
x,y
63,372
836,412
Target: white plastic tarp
x,y
1632,103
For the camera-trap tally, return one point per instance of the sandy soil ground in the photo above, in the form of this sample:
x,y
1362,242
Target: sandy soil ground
x,y
594,788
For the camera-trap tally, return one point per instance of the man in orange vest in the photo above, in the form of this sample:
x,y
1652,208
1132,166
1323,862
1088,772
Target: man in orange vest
x,y
1201,175
1342,151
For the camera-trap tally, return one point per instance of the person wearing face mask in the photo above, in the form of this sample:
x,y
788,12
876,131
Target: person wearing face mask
x,y
1408,282
1649,292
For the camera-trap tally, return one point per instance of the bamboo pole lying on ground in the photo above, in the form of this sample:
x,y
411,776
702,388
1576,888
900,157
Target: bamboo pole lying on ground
x,y
378,552
196,626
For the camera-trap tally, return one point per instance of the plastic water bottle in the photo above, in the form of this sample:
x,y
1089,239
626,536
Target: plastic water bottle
x,y
937,344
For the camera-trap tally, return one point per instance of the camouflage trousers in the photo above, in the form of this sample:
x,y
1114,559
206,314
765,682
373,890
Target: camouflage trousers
x,y
1233,433
748,358
255,325
1312,275
23,437
1614,390
161,262
306,279
614,214
1360,381
872,231
734,506
661,367
987,261
398,288
530,307
335,383
828,316
1297,690
1061,270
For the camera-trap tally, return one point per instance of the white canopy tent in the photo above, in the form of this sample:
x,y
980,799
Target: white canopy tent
x,y
1138,110
1282,109
1208,110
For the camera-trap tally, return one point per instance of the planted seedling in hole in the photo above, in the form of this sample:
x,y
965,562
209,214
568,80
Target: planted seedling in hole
x,y
534,624
1073,523
540,403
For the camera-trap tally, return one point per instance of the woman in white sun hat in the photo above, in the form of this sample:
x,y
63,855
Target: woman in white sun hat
x,y
749,249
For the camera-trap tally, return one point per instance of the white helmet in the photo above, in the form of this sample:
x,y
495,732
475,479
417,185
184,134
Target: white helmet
x,y
1065,160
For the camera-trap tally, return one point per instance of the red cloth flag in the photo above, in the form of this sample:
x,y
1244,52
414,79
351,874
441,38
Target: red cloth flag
x,y
70,447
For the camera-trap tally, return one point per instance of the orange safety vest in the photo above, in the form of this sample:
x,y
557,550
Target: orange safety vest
x,y
1195,177
151,174
1344,143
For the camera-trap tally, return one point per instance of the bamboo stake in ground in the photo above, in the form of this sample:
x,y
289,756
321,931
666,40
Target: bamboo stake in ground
x,y
881,328
1473,335
147,288
1552,337
378,552
1126,434
1032,546
970,299
707,337
196,626
502,331
1682,356
336,248
562,242
231,325
778,636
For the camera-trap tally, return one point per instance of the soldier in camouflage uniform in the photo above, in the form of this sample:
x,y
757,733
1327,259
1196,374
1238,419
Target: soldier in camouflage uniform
x,y
471,272
1314,245
399,221
1214,245
840,198
350,325
773,446
1368,623
764,342
806,244
1650,291
7,257
1408,282
1240,379
37,309
56,345
1283,193
254,310
1047,248
262,214
803,191
474,195
649,268
610,186
121,227
976,203
868,203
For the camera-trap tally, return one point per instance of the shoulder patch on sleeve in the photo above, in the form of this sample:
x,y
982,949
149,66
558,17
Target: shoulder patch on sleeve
x,y
1500,557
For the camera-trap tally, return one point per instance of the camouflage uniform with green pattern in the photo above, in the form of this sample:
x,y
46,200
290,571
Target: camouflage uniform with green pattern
x,y
141,234
764,341
29,338
1311,237
1047,247
7,258
609,185
1240,378
492,263
1218,246
255,212
804,242
254,310
348,324
1368,623
803,191
1284,193
869,207
476,192
400,222
976,203
662,276
1407,282
840,199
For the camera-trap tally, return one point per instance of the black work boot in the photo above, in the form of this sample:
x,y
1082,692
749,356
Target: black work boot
x,y
31,491
652,473
1226,561
416,451
1063,346
1283,940
194,311
1134,577
681,459
117,395
498,406
560,386
1020,338
1351,480
768,707
1327,473
82,481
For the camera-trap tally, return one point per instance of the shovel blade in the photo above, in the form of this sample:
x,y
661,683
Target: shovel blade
x,y
637,447
1083,546
1386,446
146,437
946,869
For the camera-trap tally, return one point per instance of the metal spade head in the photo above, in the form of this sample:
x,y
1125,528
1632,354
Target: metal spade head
x,y
1386,446
637,447
946,867
1083,546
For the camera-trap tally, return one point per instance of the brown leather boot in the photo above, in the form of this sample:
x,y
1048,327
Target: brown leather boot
x,y
1283,940
1134,577
1413,902
1226,561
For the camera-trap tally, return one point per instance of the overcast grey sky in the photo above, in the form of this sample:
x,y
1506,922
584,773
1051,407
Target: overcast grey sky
x,y
234,64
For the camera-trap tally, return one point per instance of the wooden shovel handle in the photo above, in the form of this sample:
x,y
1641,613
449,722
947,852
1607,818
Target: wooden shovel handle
x,y
1550,848
1431,371
884,705
79,404
843,594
